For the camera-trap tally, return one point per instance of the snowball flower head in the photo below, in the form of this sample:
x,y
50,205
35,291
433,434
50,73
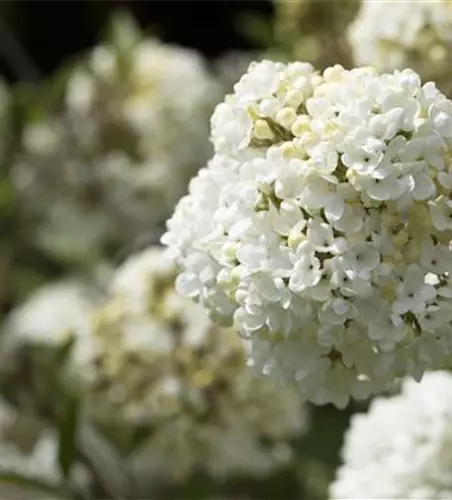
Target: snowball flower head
x,y
163,365
413,34
322,226
402,448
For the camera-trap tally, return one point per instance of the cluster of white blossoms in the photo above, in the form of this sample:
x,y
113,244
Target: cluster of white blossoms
x,y
119,152
393,34
161,96
402,448
162,365
163,93
52,315
322,226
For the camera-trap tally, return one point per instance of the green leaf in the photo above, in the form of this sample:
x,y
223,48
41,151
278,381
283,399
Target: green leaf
x,y
64,351
67,431
27,483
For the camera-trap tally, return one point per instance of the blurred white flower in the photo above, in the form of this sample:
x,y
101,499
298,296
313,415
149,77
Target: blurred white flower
x,y
393,35
401,448
111,162
31,451
163,101
163,365
50,317
312,236
41,462
41,138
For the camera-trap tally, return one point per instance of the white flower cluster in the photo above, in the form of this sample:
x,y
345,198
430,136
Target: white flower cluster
x,y
164,366
165,96
163,100
402,448
114,160
50,317
394,34
322,226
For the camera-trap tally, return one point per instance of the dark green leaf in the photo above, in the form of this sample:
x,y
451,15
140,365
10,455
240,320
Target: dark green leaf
x,y
63,352
67,431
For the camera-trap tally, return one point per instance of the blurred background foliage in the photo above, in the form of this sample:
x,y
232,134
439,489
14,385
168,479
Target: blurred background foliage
x,y
99,139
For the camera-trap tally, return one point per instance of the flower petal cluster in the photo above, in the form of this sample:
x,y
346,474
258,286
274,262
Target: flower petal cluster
x,y
322,226
164,366
414,34
401,448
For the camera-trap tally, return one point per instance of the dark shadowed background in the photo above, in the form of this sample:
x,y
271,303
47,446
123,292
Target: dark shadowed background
x,y
52,31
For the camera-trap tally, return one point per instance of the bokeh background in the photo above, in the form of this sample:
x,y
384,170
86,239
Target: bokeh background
x,y
211,28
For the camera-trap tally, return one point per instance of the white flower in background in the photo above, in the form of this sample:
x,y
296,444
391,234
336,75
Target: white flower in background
x,y
111,163
392,35
401,448
163,365
50,317
41,462
136,281
162,102
31,451
326,239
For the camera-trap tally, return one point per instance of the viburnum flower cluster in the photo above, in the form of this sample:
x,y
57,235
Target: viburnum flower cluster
x,y
163,366
401,448
414,34
322,226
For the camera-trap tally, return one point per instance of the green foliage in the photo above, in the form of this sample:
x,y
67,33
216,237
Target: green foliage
x,y
67,433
